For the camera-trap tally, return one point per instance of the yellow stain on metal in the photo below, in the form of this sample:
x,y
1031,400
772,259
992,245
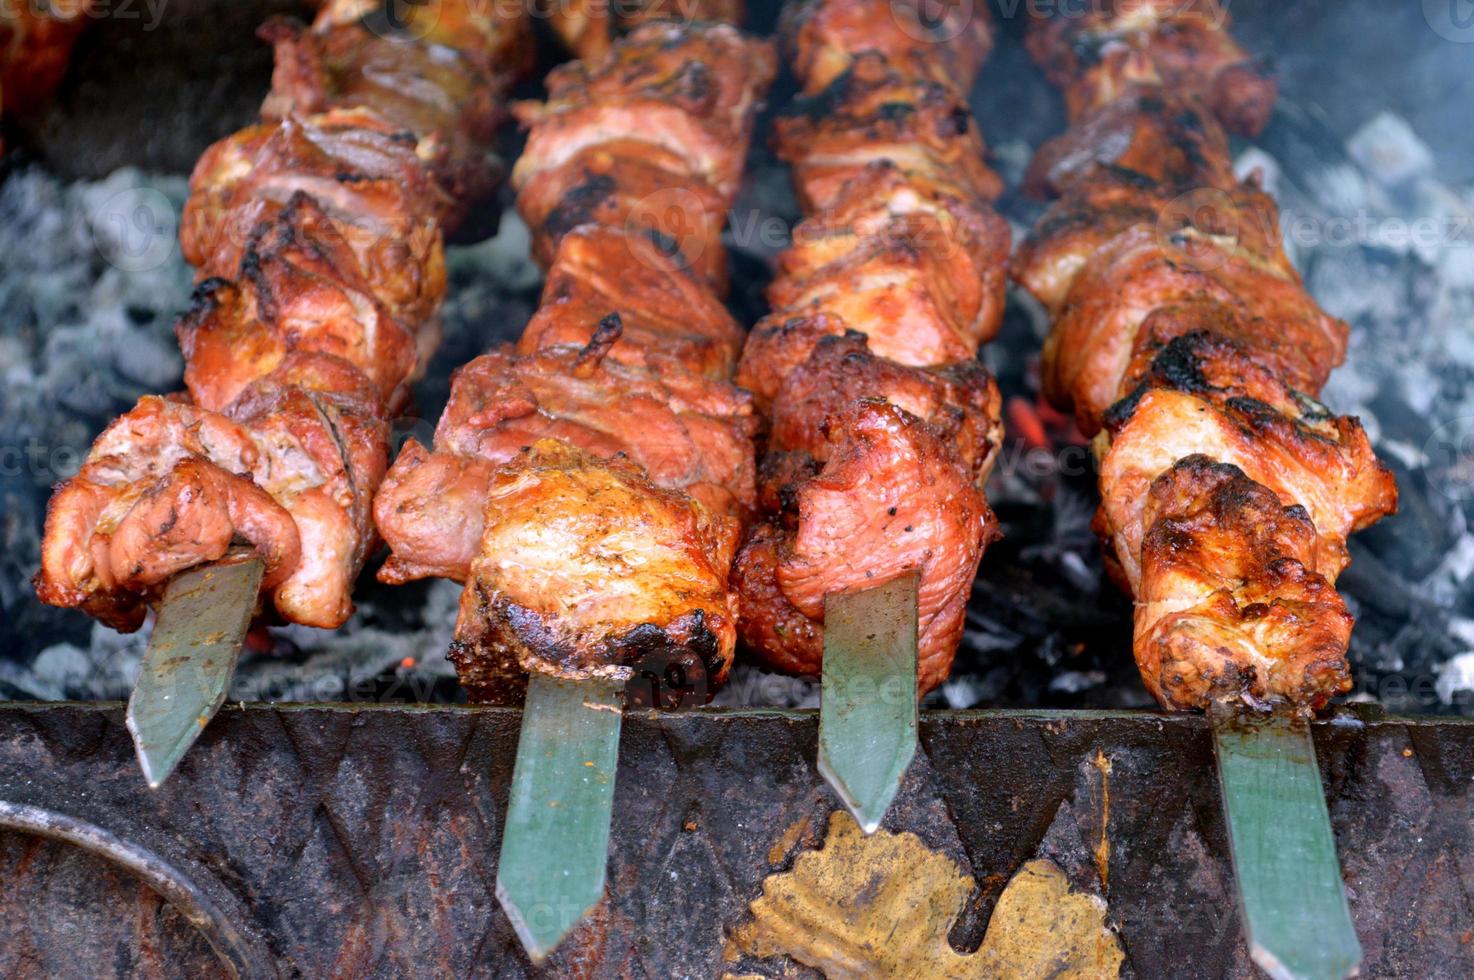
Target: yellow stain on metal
x,y
882,905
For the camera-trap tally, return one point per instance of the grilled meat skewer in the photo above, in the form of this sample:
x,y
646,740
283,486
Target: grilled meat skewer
x,y
588,484
1186,343
882,425
328,224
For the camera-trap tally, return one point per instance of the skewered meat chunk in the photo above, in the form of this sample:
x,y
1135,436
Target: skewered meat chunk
x,y
1184,336
362,173
876,112
649,139
1096,56
170,486
1138,290
667,317
588,485
960,402
587,27
447,96
690,92
1207,222
923,277
944,42
629,186
1232,605
330,225
585,567
1309,457
883,426
688,432
1152,133
892,497
301,291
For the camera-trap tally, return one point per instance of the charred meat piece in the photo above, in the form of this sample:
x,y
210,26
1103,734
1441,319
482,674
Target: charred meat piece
x,y
1323,463
1232,605
1207,222
873,113
1140,290
634,188
668,317
1097,55
648,139
959,401
301,291
686,91
892,497
922,276
361,172
450,98
170,486
946,42
1152,132
585,567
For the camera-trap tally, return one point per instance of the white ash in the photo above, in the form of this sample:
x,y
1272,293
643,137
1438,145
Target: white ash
x,y
1389,151
1455,677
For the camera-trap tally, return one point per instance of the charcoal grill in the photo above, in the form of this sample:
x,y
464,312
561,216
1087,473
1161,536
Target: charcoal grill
x,y
360,837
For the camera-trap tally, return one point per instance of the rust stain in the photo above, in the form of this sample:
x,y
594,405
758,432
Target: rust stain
x,y
778,853
1102,763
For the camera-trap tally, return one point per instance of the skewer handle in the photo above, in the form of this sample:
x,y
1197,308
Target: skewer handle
x,y
190,660
1284,853
555,845
867,715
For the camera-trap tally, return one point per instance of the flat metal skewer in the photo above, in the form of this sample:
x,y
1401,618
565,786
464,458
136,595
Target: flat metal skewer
x,y
555,842
1290,890
190,660
867,711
